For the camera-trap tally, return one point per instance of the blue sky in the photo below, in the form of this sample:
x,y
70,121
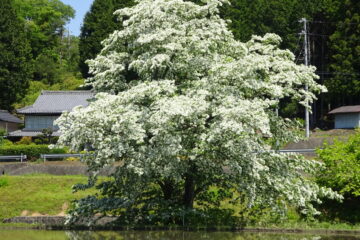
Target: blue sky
x,y
81,7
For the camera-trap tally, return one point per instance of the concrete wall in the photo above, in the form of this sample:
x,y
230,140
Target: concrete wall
x,y
16,169
49,221
8,126
347,120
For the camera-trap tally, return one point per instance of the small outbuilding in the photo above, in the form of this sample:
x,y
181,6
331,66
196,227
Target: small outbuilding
x,y
346,116
9,122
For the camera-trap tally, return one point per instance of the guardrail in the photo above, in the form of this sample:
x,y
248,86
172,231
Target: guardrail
x,y
54,156
14,157
297,150
51,156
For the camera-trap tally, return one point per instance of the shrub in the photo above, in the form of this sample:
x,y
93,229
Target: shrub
x,y
342,165
72,159
7,142
3,182
25,141
32,151
341,172
2,135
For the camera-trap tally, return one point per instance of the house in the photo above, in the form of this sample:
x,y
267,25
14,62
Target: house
x,y
47,108
346,116
9,122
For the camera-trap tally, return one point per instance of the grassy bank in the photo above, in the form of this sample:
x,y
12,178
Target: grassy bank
x,y
37,194
33,195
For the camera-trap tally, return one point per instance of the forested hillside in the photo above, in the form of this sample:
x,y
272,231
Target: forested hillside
x,y
43,53
53,59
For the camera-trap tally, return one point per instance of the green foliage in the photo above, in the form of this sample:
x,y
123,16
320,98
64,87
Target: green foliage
x,y
32,94
45,21
25,141
2,135
54,51
341,172
342,165
70,53
15,58
3,182
99,22
263,16
46,137
47,67
32,151
345,53
68,82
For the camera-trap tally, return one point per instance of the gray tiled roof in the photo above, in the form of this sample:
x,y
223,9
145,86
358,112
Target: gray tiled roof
x,y
23,133
346,109
55,102
7,117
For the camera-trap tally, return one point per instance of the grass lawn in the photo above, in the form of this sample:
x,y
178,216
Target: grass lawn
x,y
37,194
47,195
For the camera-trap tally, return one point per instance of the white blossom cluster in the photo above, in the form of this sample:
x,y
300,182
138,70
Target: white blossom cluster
x,y
202,101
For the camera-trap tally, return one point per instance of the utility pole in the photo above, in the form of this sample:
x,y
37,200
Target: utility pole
x,y
306,61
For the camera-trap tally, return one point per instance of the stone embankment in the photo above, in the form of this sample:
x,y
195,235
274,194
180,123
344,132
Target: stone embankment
x,y
56,221
60,168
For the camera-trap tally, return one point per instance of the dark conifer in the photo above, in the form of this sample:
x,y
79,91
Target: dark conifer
x,y
15,57
99,22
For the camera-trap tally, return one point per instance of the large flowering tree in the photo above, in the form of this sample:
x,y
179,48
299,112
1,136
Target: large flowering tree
x,y
184,107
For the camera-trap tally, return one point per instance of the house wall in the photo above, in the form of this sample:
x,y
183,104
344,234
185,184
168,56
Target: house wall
x,y
347,120
9,126
38,122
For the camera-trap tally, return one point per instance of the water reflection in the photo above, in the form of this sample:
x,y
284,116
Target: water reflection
x,y
179,235
160,235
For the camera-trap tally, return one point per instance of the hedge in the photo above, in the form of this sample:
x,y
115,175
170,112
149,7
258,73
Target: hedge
x,y
32,151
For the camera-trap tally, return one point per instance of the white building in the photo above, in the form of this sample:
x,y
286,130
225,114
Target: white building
x,y
347,116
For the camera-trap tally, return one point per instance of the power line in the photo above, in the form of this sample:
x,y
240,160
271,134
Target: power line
x,y
297,47
327,36
316,34
341,23
338,73
343,78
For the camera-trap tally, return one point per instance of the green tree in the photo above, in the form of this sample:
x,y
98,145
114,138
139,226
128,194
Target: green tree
x,y
99,22
341,172
258,17
45,23
69,49
15,56
344,86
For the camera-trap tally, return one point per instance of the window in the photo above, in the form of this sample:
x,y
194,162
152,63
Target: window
x,y
40,122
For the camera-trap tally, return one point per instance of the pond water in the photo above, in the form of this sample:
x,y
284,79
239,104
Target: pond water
x,y
161,235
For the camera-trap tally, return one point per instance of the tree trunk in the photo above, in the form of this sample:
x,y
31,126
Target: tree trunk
x,y
189,194
167,188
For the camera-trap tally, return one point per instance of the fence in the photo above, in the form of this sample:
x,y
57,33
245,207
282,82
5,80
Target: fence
x,y
57,156
14,157
52,156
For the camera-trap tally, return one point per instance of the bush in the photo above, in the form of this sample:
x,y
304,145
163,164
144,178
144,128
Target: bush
x,y
7,142
32,151
3,182
72,159
25,141
342,165
341,172
2,135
